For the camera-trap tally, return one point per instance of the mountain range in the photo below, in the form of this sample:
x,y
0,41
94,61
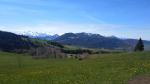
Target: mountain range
x,y
98,41
89,40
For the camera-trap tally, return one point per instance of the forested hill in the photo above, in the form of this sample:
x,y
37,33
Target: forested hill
x,y
12,42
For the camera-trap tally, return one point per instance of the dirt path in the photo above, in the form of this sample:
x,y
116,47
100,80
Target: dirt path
x,y
140,80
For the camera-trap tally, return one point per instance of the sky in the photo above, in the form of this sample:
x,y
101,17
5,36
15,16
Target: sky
x,y
121,18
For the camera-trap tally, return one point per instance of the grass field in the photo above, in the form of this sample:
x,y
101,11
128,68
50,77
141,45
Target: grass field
x,y
98,69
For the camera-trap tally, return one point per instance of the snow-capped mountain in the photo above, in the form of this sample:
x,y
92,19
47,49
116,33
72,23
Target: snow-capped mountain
x,y
44,36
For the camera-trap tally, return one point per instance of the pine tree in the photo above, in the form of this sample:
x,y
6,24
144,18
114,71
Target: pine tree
x,y
139,46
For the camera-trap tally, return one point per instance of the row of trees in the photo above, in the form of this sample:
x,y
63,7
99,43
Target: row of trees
x,y
77,51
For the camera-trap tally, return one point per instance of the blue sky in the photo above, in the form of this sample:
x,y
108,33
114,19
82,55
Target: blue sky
x,y
122,18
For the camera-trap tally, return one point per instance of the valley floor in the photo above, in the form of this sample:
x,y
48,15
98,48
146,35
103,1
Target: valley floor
x,y
98,69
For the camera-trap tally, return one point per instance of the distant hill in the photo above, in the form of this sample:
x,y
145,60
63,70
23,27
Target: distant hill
x,y
98,41
132,42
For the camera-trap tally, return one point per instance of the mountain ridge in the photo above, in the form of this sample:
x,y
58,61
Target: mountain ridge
x,y
98,41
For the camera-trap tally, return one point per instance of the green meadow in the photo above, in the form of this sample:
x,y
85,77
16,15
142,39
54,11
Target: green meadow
x,y
97,69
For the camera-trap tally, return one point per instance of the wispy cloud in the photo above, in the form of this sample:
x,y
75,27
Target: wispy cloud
x,y
91,17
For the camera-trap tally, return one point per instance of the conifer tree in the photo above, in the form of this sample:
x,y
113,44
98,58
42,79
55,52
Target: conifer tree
x,y
139,46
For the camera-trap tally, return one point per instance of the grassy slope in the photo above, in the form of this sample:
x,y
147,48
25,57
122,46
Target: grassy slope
x,y
99,69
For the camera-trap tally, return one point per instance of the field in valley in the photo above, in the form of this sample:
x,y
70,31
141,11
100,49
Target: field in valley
x,y
97,69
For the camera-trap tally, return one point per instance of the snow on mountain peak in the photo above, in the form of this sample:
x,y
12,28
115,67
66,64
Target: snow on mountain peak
x,y
41,35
